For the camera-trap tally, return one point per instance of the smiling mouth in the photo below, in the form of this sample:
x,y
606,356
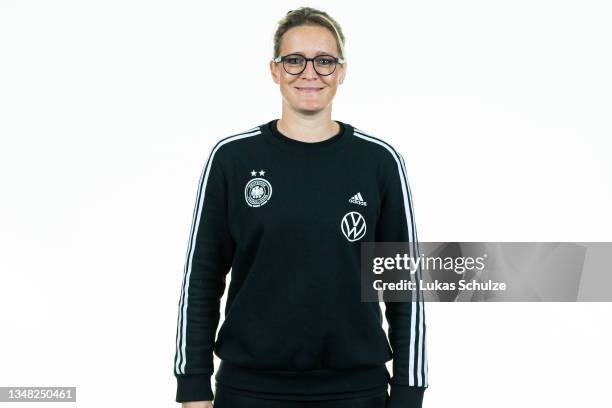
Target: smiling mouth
x,y
308,89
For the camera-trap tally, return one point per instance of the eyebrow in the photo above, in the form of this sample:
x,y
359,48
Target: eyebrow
x,y
318,52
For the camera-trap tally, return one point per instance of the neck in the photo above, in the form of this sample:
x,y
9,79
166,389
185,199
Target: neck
x,y
307,128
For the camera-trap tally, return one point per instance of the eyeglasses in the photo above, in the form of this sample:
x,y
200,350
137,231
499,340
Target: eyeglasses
x,y
295,64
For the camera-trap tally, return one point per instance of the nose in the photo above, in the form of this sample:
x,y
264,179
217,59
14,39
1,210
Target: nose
x,y
309,71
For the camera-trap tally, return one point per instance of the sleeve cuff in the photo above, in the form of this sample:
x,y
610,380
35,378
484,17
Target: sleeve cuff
x,y
193,387
405,396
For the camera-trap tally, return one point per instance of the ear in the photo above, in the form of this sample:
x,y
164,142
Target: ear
x,y
342,74
274,72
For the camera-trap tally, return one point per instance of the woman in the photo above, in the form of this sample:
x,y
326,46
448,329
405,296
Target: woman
x,y
286,205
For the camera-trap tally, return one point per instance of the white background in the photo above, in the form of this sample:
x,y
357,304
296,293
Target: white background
x,y
108,110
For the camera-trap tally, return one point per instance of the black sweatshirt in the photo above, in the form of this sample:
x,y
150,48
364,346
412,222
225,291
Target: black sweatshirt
x,y
287,217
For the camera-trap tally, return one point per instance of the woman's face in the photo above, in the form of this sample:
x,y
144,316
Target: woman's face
x,y
309,41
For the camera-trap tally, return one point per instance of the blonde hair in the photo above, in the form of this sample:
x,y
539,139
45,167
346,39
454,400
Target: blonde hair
x,y
308,16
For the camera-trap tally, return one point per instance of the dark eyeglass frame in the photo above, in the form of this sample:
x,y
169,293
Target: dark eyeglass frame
x,y
281,58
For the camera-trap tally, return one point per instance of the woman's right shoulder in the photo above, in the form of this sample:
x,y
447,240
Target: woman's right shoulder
x,y
236,140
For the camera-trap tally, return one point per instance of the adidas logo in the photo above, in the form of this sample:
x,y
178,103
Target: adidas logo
x,y
357,199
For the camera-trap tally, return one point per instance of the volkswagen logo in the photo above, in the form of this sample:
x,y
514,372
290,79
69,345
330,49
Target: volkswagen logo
x,y
353,226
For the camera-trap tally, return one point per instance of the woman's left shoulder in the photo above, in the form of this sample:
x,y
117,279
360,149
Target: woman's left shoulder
x,y
377,145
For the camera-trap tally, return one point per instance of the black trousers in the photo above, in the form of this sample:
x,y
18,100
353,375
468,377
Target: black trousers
x,y
227,398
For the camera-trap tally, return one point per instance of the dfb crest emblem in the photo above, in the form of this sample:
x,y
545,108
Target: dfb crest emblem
x,y
257,192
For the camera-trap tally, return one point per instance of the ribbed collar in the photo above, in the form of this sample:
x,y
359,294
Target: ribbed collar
x,y
271,133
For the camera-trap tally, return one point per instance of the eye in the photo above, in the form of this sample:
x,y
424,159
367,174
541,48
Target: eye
x,y
294,60
325,60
